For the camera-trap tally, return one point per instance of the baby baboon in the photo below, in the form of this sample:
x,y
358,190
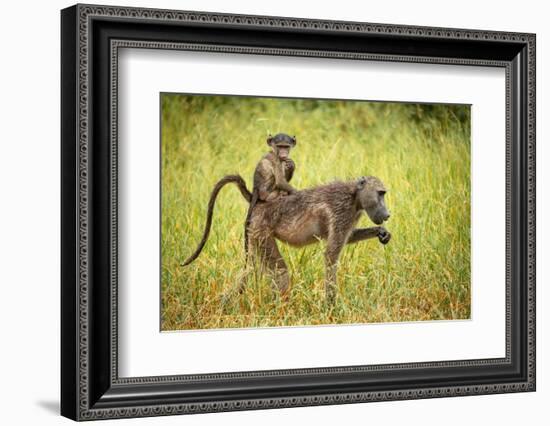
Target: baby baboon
x,y
329,212
272,175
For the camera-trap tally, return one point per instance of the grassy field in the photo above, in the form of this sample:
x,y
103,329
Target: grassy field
x,y
421,153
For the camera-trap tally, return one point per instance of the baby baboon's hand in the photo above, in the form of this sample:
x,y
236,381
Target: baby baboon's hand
x,y
384,236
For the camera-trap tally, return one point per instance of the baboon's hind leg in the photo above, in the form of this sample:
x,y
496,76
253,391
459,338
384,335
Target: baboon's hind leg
x,y
242,280
273,262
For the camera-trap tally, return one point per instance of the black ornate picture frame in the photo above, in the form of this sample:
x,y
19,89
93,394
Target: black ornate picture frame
x,y
90,385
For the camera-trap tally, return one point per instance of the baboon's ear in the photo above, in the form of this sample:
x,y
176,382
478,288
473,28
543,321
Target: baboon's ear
x,y
269,140
294,140
361,182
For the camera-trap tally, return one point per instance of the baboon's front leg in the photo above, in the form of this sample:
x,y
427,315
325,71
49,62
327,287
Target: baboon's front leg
x,y
361,234
332,253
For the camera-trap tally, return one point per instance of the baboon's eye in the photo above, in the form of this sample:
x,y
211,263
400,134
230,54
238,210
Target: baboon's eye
x,y
381,193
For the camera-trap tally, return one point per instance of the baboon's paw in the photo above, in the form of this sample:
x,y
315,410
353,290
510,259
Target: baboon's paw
x,y
384,236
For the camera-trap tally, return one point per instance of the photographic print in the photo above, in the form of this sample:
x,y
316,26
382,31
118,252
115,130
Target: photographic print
x,y
300,212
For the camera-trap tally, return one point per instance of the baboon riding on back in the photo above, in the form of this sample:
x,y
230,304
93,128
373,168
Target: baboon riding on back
x,y
327,212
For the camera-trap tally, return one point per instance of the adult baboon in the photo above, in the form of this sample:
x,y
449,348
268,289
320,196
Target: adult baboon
x,y
328,212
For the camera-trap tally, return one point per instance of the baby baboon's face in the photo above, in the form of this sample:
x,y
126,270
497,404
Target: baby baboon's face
x,y
282,151
370,195
281,144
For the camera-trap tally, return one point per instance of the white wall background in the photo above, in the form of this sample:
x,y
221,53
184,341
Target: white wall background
x,y
29,214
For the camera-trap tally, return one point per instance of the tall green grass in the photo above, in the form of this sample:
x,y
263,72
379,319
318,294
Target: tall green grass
x,y
420,152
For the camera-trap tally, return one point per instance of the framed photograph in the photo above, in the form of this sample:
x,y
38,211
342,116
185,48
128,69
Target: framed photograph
x,y
263,212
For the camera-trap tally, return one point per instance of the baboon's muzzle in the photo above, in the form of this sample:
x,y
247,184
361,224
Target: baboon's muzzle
x,y
379,219
283,152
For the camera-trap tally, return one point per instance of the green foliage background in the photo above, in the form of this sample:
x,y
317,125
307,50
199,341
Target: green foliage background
x,y
421,153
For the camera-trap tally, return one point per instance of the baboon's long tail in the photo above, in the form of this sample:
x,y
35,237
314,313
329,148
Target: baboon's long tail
x,y
236,179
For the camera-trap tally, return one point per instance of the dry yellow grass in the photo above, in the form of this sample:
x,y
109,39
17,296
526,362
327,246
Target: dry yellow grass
x,y
421,153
